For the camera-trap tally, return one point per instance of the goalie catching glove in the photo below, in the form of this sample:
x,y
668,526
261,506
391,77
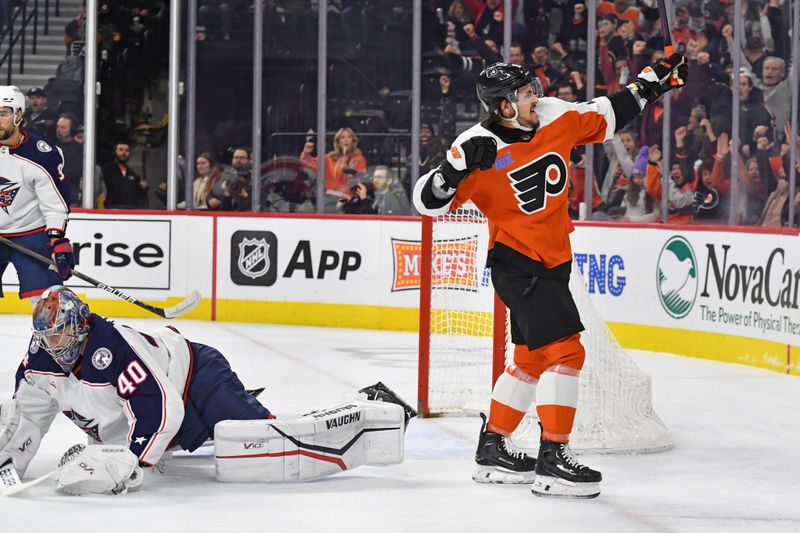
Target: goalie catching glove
x,y
98,469
660,77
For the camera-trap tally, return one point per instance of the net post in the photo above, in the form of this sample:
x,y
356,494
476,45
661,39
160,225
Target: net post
x,y
426,262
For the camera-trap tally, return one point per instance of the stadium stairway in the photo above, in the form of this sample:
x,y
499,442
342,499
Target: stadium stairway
x,y
50,49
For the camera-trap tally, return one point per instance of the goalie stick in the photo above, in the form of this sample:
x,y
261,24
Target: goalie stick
x,y
10,484
9,479
184,306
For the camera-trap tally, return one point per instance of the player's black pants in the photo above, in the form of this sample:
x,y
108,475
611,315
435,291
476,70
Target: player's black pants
x,y
541,304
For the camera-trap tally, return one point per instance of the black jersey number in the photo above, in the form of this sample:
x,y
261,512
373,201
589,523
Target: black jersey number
x,y
533,183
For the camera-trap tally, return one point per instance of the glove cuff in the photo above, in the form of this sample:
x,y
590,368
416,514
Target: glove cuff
x,y
55,233
644,90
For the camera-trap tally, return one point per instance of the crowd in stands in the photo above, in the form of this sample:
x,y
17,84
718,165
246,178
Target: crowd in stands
x,y
367,160
461,37
549,37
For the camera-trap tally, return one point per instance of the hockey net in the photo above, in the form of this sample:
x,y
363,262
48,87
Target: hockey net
x,y
465,344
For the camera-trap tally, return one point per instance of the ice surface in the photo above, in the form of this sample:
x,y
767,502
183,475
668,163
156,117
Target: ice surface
x,y
735,465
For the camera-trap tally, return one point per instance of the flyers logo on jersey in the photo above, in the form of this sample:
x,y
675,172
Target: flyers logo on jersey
x,y
534,182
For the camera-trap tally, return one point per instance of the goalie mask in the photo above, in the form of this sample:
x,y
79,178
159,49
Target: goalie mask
x,y
501,81
60,325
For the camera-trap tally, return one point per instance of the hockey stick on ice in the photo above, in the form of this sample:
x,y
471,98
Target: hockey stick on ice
x,y
185,306
10,484
8,477
15,485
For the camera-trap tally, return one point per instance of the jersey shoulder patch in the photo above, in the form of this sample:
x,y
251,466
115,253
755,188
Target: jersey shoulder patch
x,y
101,358
43,146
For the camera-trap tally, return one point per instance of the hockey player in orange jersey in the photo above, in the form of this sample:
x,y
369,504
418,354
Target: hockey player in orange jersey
x,y
513,167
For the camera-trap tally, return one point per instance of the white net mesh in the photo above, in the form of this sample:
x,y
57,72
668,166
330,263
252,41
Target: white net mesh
x,y
461,313
615,413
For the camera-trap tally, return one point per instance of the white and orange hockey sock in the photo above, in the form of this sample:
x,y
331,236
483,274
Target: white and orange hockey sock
x,y
557,399
511,397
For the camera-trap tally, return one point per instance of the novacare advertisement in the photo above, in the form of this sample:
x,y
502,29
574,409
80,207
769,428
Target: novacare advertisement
x,y
743,284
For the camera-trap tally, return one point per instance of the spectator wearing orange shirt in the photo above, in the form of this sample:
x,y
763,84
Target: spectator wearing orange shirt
x,y
341,164
681,188
621,9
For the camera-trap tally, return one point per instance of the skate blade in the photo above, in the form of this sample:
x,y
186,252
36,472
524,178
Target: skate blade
x,y
552,487
501,476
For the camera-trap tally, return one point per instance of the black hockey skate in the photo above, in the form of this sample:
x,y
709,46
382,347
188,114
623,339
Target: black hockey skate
x,y
559,474
381,393
499,462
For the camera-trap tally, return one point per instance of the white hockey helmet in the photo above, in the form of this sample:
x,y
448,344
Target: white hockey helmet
x,y
11,96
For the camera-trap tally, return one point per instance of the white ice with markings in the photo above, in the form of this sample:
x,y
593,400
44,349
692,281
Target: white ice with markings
x,y
735,465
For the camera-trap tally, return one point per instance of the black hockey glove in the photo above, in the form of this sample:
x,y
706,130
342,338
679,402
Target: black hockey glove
x,y
660,77
478,153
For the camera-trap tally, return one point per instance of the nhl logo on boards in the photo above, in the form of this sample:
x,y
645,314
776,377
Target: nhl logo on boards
x,y
44,147
254,257
101,358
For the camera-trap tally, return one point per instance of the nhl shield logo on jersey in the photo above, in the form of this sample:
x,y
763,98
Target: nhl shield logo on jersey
x,y
101,358
35,345
534,182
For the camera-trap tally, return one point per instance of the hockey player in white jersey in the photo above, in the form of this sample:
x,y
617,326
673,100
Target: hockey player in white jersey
x,y
34,200
137,395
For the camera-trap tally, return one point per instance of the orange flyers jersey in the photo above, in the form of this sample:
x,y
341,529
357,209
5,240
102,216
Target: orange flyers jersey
x,y
525,194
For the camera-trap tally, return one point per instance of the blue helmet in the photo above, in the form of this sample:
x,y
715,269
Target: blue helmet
x,y
60,325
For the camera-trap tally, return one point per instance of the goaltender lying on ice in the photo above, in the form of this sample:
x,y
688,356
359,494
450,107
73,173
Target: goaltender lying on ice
x,y
138,395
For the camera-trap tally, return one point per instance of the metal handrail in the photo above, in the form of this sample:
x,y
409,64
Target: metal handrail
x,y
25,15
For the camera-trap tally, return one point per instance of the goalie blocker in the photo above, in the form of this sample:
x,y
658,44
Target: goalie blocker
x,y
318,444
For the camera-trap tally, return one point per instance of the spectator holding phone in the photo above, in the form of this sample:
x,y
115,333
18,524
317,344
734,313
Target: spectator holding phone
x,y
361,201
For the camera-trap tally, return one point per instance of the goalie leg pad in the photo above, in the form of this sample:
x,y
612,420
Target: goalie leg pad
x,y
9,421
99,469
19,437
315,445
